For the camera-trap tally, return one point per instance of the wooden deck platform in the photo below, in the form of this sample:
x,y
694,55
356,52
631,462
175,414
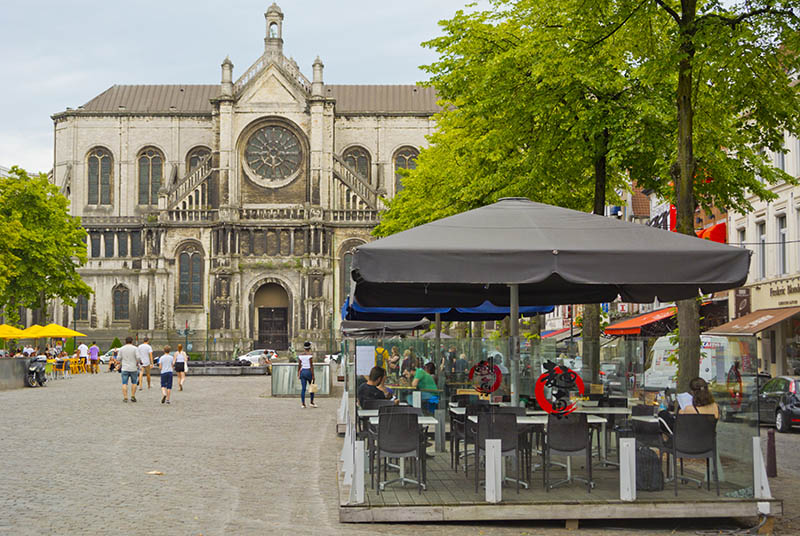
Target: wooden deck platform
x,y
450,496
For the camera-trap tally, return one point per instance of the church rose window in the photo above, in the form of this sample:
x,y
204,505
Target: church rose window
x,y
151,165
405,158
99,166
121,297
358,159
273,153
190,277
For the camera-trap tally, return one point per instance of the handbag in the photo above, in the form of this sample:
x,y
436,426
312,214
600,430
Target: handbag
x,y
313,387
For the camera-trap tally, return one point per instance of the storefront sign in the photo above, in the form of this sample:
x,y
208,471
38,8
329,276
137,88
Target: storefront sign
x,y
560,380
783,291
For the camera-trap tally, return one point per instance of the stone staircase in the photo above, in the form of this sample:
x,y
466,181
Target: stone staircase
x,y
354,192
191,192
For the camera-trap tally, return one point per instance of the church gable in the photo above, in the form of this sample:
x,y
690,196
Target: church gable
x,y
272,86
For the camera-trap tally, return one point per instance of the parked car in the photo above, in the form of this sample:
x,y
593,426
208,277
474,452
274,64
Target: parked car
x,y
779,402
252,357
730,404
106,357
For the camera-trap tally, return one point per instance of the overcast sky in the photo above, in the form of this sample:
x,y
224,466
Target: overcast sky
x,y
57,54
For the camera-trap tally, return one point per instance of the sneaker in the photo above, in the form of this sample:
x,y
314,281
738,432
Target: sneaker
x,y
181,387
124,399
302,406
313,405
163,398
167,401
133,399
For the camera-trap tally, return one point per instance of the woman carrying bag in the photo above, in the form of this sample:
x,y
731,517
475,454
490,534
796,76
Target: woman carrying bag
x,y
305,373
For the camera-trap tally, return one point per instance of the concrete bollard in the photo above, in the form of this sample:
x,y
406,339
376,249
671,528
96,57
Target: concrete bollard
x,y
772,462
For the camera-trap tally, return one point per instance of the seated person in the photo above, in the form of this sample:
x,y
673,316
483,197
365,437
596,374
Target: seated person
x,y
702,404
374,388
422,378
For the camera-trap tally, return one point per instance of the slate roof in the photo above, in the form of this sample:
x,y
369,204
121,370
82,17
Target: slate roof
x,y
350,99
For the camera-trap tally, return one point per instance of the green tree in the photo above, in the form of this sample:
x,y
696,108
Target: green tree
x,y
537,103
43,248
732,67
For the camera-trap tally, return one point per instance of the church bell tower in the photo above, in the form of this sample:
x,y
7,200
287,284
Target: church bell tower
x,y
273,42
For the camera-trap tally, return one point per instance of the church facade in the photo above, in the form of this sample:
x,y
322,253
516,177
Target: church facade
x,y
231,208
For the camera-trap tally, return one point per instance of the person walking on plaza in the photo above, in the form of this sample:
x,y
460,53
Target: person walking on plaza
x,y
146,358
94,358
181,360
165,363
305,372
83,353
130,368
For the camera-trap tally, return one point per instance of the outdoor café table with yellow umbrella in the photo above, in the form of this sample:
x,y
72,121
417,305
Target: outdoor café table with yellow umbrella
x,y
10,332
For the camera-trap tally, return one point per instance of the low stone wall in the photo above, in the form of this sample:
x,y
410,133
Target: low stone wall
x,y
195,370
12,373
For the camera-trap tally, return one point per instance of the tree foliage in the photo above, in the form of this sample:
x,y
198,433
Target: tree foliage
x,y
40,243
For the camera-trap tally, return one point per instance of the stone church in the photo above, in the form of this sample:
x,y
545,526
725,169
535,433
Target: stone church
x,y
231,208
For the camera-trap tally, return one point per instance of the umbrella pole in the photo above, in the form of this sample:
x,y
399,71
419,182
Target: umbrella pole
x,y
438,359
514,343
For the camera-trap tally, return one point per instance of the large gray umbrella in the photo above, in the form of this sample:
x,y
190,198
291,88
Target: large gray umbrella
x,y
520,252
555,256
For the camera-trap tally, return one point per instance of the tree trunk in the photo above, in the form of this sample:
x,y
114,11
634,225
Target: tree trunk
x,y
688,311
591,311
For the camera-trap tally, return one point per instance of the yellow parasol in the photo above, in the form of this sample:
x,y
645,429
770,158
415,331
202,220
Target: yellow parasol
x,y
10,332
31,332
56,331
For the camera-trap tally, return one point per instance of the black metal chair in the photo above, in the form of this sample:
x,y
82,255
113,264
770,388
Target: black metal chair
x,y
469,431
398,437
695,437
643,411
500,425
567,436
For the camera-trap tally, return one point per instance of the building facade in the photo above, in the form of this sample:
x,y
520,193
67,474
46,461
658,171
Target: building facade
x,y
231,208
771,231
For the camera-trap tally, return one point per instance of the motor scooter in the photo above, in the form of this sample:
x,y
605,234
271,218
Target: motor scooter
x,y
36,369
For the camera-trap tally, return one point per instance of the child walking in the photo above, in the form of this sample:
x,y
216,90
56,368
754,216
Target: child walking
x,y
165,362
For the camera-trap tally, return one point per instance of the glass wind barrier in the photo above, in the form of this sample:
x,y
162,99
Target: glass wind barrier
x,y
634,381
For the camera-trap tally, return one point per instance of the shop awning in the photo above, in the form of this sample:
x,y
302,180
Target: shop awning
x,y
754,322
633,326
562,334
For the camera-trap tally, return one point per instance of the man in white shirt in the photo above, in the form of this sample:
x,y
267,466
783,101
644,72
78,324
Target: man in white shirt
x,y
129,360
145,352
83,353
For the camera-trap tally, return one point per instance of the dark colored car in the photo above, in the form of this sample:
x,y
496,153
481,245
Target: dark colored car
x,y
779,402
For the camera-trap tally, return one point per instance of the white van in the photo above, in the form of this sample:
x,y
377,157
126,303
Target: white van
x,y
661,373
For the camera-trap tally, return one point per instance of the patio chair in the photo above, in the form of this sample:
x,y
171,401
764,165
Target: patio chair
x,y
469,431
372,433
500,425
60,366
567,436
526,434
398,437
695,437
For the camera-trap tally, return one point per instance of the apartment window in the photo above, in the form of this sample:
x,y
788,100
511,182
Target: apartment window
x,y
780,161
780,220
742,234
761,229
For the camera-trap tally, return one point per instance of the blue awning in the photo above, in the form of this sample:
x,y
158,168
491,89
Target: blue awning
x,y
351,310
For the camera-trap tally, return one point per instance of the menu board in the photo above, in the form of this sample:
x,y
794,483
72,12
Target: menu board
x,y
365,360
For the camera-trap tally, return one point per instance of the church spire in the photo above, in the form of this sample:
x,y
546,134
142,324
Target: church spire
x,y
273,42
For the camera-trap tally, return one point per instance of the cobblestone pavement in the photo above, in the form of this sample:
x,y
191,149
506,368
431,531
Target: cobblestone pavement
x,y
75,460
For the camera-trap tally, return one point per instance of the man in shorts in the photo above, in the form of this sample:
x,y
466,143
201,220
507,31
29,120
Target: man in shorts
x,y
146,359
83,353
94,358
129,359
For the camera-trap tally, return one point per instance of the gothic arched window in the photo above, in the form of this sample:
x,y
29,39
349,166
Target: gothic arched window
x,y
121,298
151,170
190,277
196,156
404,158
100,168
82,308
358,159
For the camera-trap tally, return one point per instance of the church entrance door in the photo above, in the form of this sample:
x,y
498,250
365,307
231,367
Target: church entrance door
x,y
271,303
272,325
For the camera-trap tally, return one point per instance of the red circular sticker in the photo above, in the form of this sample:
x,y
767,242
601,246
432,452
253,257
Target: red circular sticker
x,y
560,381
485,377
